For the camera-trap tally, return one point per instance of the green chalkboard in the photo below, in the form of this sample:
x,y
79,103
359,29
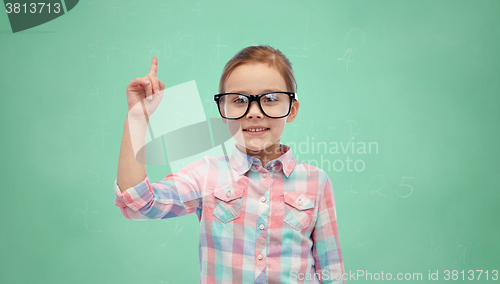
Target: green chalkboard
x,y
398,104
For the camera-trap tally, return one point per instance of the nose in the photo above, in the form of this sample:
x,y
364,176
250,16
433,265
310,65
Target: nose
x,y
254,111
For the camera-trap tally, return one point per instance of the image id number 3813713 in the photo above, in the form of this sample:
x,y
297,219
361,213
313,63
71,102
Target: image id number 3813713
x,y
470,275
32,8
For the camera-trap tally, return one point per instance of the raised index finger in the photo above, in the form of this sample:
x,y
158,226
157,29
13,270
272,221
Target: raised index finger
x,y
154,66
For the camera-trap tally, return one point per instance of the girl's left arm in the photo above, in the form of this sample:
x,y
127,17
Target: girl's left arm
x,y
326,251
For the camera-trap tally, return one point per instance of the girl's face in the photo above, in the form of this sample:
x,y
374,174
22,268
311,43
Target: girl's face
x,y
255,79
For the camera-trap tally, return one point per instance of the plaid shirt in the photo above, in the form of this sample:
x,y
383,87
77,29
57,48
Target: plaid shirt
x,y
272,224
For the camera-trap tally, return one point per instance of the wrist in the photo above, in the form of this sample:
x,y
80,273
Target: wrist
x,y
137,120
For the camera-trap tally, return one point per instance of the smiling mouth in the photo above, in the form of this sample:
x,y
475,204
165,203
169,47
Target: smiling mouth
x,y
256,129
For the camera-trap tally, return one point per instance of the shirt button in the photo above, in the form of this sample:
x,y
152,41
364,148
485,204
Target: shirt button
x,y
228,193
299,202
261,226
261,257
264,175
263,199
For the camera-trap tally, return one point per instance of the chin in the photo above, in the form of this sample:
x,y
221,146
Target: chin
x,y
258,146
254,148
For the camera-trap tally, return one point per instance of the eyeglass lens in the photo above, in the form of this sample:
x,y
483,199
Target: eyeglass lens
x,y
273,105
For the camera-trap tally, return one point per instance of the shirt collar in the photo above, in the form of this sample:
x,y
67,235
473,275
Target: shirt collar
x,y
242,162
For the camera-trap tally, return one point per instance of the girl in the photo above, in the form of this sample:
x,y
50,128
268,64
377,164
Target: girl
x,y
265,217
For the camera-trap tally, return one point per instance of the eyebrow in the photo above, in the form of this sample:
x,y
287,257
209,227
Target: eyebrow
x,y
263,91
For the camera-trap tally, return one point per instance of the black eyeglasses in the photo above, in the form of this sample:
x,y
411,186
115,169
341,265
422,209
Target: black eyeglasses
x,y
272,104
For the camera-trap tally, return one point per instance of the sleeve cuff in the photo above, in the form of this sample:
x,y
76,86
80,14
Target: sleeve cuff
x,y
135,197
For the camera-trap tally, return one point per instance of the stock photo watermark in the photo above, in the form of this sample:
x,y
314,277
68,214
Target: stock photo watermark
x,y
192,133
432,275
329,152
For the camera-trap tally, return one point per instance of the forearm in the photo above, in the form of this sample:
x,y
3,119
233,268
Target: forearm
x,y
130,170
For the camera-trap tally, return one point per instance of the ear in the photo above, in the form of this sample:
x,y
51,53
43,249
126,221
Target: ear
x,y
293,111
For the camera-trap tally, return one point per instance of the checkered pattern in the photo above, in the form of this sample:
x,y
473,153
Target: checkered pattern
x,y
272,224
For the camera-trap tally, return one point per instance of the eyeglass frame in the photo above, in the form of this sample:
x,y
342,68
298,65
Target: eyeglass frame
x,y
251,98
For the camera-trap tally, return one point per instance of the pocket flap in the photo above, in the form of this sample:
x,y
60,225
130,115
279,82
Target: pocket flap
x,y
299,200
228,192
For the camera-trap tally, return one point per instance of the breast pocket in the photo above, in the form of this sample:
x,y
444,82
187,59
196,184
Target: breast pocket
x,y
228,202
298,210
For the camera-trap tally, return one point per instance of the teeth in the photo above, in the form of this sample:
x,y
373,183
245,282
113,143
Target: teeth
x,y
257,129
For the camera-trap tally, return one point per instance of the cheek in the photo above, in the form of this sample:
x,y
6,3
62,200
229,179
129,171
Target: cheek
x,y
235,129
279,126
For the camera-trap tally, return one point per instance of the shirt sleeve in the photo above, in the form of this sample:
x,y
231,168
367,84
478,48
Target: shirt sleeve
x,y
326,244
178,194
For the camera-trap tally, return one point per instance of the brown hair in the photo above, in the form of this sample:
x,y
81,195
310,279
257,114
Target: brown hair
x,y
261,54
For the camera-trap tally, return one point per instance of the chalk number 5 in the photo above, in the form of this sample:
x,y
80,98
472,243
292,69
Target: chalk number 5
x,y
403,184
